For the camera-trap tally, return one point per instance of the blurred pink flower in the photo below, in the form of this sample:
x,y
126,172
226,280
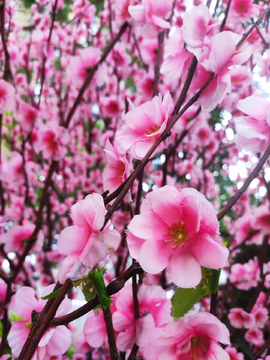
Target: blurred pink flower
x,y
7,97
16,238
240,318
177,229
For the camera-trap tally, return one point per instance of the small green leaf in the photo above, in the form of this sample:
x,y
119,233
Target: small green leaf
x,y
52,295
1,329
70,351
184,299
97,276
88,289
14,317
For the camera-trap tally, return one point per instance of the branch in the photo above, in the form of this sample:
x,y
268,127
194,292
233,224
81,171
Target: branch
x,y
114,287
241,191
92,73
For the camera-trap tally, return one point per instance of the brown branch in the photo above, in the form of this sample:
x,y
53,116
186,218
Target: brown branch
x,y
241,191
7,71
110,332
157,67
92,73
114,287
41,324
225,17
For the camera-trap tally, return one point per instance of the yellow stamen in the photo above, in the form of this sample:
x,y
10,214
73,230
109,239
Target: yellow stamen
x,y
178,234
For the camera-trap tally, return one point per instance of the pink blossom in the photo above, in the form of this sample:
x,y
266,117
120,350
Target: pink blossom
x,y
16,238
240,318
260,316
81,65
223,54
195,27
195,337
177,229
254,336
176,58
261,219
3,292
144,124
95,331
234,355
117,170
55,341
152,12
245,275
7,97
253,130
83,243
154,310
52,141
27,116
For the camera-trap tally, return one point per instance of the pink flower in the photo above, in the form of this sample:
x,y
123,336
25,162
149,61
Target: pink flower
x,y
195,337
52,142
245,275
27,116
55,341
117,170
234,355
144,124
81,65
177,229
153,13
83,243
240,318
95,331
254,336
16,239
260,316
3,292
195,27
7,97
176,58
253,130
154,309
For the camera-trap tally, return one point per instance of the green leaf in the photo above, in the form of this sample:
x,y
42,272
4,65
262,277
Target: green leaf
x,y
1,329
97,276
70,351
52,295
99,124
14,317
89,289
99,4
184,299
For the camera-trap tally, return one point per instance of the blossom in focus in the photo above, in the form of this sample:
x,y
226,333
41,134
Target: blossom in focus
x,y
83,243
195,337
144,124
7,97
55,341
253,131
176,230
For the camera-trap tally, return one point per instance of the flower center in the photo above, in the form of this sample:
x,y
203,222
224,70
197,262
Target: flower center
x,y
178,234
198,348
151,130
